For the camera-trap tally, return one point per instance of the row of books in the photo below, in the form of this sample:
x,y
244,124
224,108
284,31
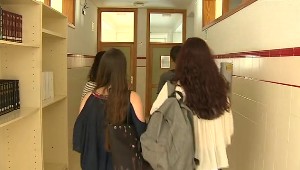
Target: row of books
x,y
47,85
9,96
10,26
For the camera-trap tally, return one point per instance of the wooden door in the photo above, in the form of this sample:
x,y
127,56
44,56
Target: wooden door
x,y
128,50
154,71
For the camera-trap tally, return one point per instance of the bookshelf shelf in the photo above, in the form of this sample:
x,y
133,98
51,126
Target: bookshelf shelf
x,y
9,43
49,12
52,166
48,33
16,115
52,101
13,2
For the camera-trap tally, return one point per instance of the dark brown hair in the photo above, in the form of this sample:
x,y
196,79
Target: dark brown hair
x,y
205,88
94,69
175,52
112,77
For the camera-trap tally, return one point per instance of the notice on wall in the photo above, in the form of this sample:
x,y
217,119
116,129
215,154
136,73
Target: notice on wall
x,y
165,62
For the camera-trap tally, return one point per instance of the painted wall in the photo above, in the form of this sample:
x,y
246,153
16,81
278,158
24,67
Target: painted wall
x,y
266,115
82,39
190,26
195,9
141,53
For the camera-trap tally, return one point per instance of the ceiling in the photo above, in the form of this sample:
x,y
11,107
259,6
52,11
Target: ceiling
x,y
178,4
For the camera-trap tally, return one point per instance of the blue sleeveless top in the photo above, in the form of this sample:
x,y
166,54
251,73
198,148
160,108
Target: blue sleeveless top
x,y
89,133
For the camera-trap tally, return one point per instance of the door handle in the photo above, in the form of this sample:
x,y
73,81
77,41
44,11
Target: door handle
x,y
131,79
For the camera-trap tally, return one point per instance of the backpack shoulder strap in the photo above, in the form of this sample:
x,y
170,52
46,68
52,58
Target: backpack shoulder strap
x,y
171,89
172,92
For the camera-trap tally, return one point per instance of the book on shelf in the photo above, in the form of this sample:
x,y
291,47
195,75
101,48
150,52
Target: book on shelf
x,y
16,95
19,28
2,98
47,85
1,25
4,25
13,27
9,96
10,26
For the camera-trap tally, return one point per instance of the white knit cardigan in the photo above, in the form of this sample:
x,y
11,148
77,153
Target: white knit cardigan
x,y
211,136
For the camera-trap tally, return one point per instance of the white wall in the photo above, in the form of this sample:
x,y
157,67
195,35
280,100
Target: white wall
x,y
266,115
141,52
190,26
82,40
265,24
196,9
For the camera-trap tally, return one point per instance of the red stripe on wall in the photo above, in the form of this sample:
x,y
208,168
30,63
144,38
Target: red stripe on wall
x,y
284,52
267,81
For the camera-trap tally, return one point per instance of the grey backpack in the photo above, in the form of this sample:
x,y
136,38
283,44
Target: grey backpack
x,y
168,143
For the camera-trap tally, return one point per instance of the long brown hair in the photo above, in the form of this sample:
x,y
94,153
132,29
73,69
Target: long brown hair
x,y
205,88
112,77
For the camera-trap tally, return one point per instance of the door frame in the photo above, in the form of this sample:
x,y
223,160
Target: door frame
x,y
133,44
156,44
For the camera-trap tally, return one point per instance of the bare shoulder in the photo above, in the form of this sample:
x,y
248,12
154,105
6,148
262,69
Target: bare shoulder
x,y
136,102
134,95
83,101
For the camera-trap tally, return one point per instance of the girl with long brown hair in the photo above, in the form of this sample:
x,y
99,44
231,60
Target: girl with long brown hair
x,y
205,93
110,103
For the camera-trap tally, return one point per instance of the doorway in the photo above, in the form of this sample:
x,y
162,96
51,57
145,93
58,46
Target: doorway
x,y
117,29
165,29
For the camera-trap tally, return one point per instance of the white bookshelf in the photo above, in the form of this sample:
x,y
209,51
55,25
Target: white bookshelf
x,y
53,166
35,136
13,44
54,100
48,33
16,115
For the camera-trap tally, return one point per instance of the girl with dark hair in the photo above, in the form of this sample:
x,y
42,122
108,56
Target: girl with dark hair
x,y
110,103
205,93
91,84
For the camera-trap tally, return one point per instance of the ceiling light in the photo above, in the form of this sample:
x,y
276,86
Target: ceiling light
x,y
138,4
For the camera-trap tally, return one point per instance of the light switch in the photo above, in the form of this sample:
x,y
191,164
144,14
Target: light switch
x,y
93,26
